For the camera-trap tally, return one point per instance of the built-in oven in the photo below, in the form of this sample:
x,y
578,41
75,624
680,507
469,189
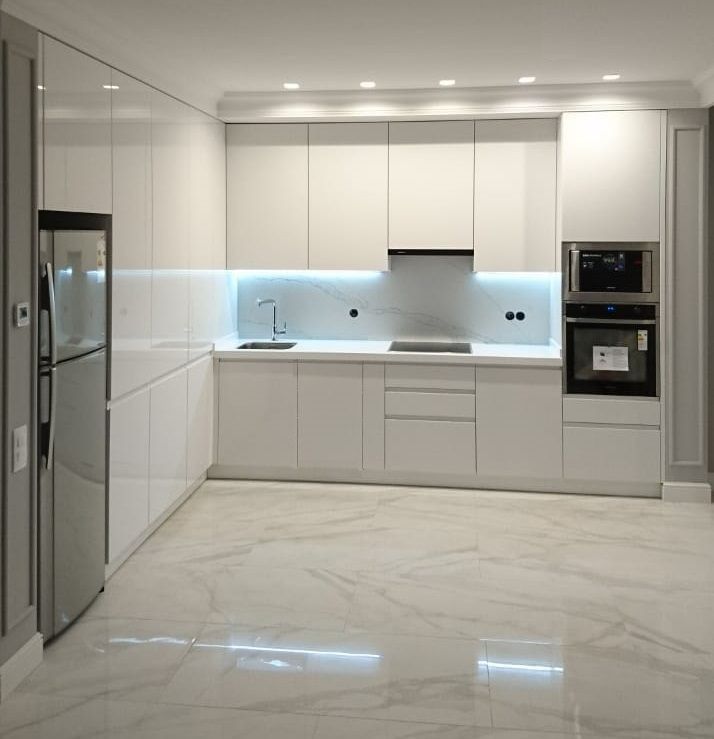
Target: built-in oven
x,y
607,271
611,349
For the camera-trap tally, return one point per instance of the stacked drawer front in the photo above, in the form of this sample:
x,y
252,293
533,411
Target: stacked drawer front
x,y
429,419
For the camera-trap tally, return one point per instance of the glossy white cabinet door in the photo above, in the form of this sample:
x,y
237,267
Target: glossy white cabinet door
x,y
168,433
257,414
611,453
207,234
515,196
267,171
170,151
329,415
348,196
77,131
519,426
431,185
610,169
128,472
200,419
131,235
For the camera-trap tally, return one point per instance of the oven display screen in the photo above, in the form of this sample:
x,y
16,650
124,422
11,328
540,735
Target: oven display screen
x,y
611,271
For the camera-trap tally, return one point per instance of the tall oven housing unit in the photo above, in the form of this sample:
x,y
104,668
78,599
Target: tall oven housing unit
x,y
74,248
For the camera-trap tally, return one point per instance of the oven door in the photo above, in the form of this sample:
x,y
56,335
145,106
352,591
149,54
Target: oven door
x,y
611,356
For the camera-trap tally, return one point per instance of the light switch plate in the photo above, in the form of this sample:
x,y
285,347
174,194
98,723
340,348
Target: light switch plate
x,y
19,448
21,314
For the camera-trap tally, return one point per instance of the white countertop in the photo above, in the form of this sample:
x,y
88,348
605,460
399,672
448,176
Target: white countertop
x,y
539,355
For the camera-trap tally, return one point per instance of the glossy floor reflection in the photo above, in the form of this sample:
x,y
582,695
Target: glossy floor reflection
x,y
306,611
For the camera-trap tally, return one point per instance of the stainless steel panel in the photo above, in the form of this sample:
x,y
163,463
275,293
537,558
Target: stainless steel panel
x,y
79,501
79,259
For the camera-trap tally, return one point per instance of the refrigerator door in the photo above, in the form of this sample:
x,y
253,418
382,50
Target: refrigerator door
x,y
78,259
78,487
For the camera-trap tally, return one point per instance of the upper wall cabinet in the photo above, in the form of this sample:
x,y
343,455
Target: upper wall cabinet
x,y
431,185
77,131
611,175
267,168
348,196
515,196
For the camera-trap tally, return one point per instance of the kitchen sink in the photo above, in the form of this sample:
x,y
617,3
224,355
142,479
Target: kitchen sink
x,y
451,347
268,345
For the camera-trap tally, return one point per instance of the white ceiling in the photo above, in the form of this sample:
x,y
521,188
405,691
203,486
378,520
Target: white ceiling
x,y
201,50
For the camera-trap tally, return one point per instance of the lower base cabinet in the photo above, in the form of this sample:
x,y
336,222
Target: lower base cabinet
x,y
168,428
611,454
428,446
329,415
257,414
519,422
128,472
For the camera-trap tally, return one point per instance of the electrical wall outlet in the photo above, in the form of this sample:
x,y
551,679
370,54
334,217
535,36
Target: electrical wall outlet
x,y
19,448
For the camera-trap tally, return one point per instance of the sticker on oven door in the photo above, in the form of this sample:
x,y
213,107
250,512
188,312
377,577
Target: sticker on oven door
x,y
642,340
611,358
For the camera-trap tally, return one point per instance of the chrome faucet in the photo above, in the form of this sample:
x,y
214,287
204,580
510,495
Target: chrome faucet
x,y
276,331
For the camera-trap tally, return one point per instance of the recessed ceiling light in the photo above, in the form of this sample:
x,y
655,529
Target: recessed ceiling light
x,y
291,85
41,87
611,77
368,84
527,80
447,83
110,87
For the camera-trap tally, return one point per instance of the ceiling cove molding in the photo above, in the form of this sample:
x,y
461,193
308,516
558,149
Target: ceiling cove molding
x,y
102,45
483,102
705,84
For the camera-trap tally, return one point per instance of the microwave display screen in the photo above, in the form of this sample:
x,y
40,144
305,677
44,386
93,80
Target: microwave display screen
x,y
612,271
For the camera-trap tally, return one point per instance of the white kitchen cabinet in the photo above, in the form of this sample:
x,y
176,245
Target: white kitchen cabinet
x,y
170,151
515,195
257,413
429,446
128,472
267,181
131,235
77,131
611,453
348,196
610,175
519,422
431,185
329,415
167,443
199,454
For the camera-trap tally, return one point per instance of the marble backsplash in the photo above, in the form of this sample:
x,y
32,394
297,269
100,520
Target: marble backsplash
x,y
421,297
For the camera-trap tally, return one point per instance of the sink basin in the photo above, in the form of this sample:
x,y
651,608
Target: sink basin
x,y
451,347
268,345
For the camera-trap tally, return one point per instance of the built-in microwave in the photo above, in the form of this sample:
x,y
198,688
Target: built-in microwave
x,y
611,349
607,271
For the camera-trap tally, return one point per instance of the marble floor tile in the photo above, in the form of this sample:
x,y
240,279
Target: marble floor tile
x,y
311,611
322,673
31,716
121,659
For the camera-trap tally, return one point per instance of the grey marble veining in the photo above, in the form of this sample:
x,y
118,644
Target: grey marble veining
x,y
421,297
310,611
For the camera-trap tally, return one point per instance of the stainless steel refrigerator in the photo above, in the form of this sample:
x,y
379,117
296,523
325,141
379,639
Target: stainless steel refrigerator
x,y
73,428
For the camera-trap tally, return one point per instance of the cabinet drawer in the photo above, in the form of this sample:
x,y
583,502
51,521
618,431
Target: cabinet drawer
x,y
430,446
614,454
429,405
428,376
622,411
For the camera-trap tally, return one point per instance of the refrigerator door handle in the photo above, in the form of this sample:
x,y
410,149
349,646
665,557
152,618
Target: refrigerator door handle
x,y
52,311
49,437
